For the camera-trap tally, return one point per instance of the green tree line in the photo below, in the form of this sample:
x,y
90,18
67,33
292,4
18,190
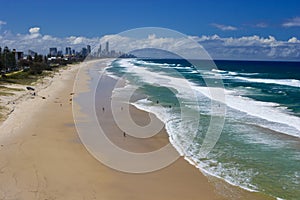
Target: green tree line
x,y
33,65
7,59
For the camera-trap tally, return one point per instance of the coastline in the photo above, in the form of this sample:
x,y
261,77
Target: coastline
x,y
217,187
24,101
42,157
19,94
180,180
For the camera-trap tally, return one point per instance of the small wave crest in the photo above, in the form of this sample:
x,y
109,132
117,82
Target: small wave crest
x,y
286,82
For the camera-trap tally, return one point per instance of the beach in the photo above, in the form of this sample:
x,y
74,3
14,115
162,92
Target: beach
x,y
42,156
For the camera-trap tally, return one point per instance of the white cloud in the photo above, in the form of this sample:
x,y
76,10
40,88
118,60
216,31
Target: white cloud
x,y
2,22
78,40
292,22
251,47
224,27
48,37
35,41
151,36
34,30
247,47
293,40
261,25
34,33
206,38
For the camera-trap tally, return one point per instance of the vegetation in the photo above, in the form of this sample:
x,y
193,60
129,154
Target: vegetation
x,y
2,109
4,88
26,71
2,93
7,59
29,70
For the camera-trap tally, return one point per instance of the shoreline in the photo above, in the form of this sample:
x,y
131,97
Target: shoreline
x,y
19,93
22,101
42,156
191,185
216,182
243,192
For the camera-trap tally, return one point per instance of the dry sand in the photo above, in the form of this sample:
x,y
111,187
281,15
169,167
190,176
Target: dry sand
x,y
41,157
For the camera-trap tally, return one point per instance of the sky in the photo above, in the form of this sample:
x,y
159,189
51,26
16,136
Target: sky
x,y
264,27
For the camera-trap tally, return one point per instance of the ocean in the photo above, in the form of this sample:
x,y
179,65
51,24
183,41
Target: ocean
x,y
259,146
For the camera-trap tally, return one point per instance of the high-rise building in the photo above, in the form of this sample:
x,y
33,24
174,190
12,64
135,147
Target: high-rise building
x,y
84,52
53,51
18,54
99,51
68,51
31,53
88,47
107,47
59,53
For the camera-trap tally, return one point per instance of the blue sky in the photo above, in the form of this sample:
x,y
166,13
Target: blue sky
x,y
60,19
97,18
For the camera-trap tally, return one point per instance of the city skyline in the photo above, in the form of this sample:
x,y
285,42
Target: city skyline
x,y
70,53
268,30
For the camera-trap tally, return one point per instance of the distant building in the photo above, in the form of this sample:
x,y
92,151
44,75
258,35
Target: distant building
x,y
53,51
19,55
84,52
59,53
68,51
99,50
31,53
106,53
107,47
88,47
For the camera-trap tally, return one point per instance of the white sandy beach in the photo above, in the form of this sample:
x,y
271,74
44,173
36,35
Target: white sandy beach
x,y
42,157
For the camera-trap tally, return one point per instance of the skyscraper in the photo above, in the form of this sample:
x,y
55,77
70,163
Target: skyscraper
x,y
107,47
88,47
31,53
99,51
53,51
84,52
68,51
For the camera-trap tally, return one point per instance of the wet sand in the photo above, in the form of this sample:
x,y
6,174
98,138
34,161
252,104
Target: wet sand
x,y
42,157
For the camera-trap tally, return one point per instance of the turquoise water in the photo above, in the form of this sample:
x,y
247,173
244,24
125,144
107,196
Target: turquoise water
x,y
259,148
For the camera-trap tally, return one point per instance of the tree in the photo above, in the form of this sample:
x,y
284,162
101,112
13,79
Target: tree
x,y
29,57
1,60
6,50
8,59
37,68
24,63
38,58
45,59
1,64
